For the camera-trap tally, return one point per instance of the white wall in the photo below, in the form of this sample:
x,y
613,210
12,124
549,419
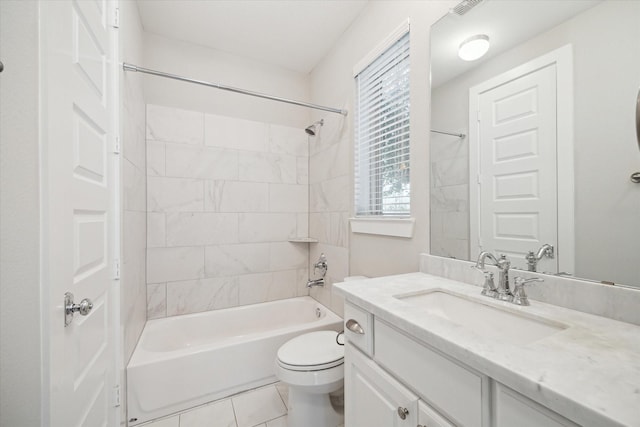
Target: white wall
x,y
332,84
212,65
21,401
607,66
224,196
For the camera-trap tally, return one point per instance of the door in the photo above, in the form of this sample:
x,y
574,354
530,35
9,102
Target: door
x,y
373,397
517,167
79,196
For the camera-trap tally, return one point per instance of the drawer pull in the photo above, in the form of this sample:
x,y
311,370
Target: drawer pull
x,y
354,327
403,412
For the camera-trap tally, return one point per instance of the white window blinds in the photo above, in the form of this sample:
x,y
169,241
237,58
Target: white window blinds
x,y
382,184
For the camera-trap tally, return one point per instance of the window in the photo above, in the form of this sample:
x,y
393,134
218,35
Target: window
x,y
382,186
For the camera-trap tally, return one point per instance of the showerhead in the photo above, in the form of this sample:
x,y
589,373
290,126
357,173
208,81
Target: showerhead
x,y
311,129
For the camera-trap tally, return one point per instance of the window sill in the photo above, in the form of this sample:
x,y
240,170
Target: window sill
x,y
396,227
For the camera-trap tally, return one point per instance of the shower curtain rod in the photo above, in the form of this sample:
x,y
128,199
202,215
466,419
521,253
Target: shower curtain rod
x,y
130,67
458,135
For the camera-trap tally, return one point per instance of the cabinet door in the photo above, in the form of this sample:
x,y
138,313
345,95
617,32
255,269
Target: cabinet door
x,y
513,409
427,417
373,397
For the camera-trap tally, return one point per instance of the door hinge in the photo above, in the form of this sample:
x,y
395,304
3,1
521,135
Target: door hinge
x,y
478,115
116,396
116,269
479,179
116,145
115,23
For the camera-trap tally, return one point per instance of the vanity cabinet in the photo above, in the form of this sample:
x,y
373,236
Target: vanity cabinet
x,y
427,417
391,379
513,409
373,397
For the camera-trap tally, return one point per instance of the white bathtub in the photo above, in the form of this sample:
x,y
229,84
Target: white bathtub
x,y
184,361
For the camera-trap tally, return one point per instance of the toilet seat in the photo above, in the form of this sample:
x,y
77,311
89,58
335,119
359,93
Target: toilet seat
x,y
314,351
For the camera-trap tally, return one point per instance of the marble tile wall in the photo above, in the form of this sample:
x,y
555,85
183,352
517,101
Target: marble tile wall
x,y
133,214
449,158
329,204
224,195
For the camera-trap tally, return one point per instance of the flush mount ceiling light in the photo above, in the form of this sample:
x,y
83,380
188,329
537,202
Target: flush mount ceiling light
x,y
474,47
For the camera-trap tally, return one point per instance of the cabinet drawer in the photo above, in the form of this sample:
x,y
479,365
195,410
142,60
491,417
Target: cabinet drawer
x,y
358,328
512,408
452,389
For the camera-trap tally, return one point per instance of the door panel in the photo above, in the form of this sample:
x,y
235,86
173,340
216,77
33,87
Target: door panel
x,y
79,191
372,397
517,167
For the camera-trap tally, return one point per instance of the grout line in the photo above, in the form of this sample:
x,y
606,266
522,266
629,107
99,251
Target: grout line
x,y
235,416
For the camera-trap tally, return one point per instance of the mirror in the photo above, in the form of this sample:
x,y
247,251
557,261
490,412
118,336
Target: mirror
x,y
563,181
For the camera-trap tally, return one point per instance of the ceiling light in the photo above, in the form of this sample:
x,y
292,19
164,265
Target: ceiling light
x,y
474,47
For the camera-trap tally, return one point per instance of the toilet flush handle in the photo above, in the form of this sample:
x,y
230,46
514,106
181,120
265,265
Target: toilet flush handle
x,y
354,327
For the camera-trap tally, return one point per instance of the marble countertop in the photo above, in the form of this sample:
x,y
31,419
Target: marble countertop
x,y
588,372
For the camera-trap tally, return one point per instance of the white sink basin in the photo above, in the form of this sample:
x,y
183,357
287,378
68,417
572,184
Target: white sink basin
x,y
486,320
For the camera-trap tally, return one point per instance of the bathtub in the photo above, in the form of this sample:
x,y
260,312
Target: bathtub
x,y
184,361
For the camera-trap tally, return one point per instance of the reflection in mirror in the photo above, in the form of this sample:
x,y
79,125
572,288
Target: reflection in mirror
x,y
548,124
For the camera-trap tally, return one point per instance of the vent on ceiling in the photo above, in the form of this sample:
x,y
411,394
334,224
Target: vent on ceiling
x,y
465,6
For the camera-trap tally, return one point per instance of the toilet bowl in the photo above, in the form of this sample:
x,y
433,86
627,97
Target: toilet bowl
x,y
312,365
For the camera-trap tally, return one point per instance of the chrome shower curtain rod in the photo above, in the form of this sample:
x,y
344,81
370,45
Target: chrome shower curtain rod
x,y
458,135
130,67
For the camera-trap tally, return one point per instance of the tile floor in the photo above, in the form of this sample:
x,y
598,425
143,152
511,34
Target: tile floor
x,y
261,407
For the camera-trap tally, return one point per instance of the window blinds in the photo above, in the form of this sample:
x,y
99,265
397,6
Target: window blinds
x,y
382,184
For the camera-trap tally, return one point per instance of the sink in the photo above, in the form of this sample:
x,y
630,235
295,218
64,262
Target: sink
x,y
483,319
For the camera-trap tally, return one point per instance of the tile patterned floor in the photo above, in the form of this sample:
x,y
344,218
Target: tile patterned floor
x,y
262,407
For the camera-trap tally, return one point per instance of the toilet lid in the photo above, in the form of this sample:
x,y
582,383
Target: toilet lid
x,y
317,350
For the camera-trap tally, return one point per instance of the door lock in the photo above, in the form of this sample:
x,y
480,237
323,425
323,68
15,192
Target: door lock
x,y
70,308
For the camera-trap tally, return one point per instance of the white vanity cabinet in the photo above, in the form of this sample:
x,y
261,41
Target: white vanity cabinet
x,y
510,408
392,379
427,417
373,397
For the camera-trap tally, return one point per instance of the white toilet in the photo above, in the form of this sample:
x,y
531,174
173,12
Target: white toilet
x,y
312,365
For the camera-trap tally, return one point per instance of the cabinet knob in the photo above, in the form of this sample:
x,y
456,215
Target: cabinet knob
x,y
403,412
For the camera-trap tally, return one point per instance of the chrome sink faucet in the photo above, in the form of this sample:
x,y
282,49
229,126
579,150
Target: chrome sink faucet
x,y
519,296
503,264
533,257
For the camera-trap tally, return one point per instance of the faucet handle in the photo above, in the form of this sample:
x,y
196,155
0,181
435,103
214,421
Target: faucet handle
x,y
521,281
519,295
489,288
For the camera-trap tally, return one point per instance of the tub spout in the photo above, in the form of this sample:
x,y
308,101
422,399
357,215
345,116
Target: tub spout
x,y
315,282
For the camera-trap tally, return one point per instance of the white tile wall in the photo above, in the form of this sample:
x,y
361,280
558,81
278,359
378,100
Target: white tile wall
x,y
449,162
329,204
174,125
224,195
174,194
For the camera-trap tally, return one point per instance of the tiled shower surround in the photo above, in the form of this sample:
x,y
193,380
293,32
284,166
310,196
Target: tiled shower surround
x,y
224,196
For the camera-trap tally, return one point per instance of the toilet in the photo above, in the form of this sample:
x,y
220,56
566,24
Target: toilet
x,y
312,365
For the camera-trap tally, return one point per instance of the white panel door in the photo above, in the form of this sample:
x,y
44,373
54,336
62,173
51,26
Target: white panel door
x,y
79,215
517,167
373,397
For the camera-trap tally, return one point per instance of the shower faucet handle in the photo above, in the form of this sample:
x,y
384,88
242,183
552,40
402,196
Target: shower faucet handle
x,y
321,265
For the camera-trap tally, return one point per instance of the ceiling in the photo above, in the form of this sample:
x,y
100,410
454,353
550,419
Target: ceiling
x,y
506,23
294,34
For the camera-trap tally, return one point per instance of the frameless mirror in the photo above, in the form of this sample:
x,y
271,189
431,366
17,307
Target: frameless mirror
x,y
534,142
